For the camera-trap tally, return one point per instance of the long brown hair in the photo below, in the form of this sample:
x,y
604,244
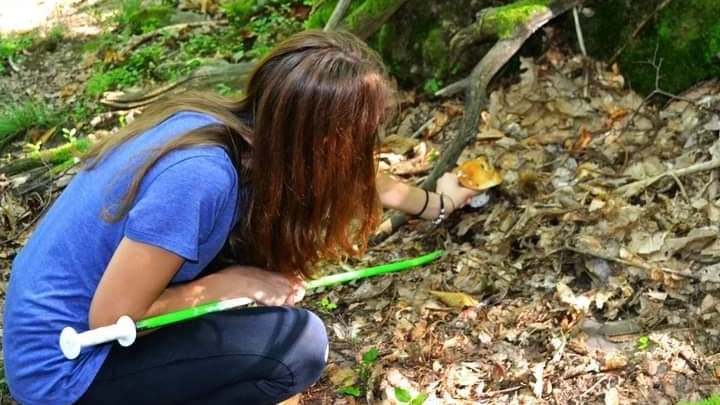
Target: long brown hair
x,y
304,136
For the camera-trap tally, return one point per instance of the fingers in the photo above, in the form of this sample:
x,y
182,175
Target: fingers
x,y
297,293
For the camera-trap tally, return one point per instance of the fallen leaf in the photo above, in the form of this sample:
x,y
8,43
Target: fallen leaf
x,y
612,397
341,376
456,299
566,295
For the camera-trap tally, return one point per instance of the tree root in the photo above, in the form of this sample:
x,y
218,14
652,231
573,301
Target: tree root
x,y
476,98
636,187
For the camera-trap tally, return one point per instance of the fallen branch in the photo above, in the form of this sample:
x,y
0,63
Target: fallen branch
x,y
635,187
337,15
367,19
54,157
632,263
476,95
203,77
14,67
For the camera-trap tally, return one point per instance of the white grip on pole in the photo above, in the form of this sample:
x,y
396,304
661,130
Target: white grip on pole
x,y
72,342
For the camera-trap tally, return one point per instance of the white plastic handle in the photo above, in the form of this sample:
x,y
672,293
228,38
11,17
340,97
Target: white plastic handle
x,y
71,342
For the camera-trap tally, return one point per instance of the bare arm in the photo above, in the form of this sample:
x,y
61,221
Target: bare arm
x,y
136,281
410,199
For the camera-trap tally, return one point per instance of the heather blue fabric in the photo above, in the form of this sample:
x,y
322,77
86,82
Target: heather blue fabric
x,y
186,204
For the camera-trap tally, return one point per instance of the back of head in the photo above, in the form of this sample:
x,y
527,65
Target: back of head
x,y
317,102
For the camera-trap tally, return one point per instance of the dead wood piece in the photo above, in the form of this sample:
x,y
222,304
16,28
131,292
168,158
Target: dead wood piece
x,y
476,94
141,39
203,77
337,15
49,158
366,20
633,263
636,187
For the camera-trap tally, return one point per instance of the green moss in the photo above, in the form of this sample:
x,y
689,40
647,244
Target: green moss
x,y
320,16
686,37
370,9
503,20
435,52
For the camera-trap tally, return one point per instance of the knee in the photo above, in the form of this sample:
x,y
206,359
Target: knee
x,y
311,349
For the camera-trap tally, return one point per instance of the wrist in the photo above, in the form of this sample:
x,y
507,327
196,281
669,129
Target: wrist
x,y
450,204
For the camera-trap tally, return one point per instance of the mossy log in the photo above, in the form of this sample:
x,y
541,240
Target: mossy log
x,y
54,158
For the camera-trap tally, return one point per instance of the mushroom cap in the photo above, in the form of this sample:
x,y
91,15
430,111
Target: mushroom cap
x,y
477,174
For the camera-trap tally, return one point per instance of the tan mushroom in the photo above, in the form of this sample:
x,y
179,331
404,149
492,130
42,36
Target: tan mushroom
x,y
477,174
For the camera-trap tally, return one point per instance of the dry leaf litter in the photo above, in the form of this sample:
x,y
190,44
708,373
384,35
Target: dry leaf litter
x,y
590,274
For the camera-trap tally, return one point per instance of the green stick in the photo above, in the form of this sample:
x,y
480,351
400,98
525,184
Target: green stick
x,y
200,310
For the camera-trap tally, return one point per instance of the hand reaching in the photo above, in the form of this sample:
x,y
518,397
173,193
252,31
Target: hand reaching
x,y
449,186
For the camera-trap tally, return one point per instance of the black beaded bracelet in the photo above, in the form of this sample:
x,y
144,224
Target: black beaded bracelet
x,y
427,198
441,215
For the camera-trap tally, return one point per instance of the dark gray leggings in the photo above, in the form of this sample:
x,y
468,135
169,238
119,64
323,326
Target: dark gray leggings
x,y
253,356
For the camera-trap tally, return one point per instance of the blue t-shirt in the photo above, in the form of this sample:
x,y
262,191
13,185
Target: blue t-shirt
x,y
187,204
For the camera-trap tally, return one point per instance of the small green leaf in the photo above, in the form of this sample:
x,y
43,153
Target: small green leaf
x,y
402,395
643,343
351,391
420,399
370,356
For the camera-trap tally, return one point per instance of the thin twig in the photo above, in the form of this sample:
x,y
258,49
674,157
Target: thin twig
x,y
635,187
631,263
491,394
578,31
680,185
581,43
657,65
453,88
419,131
15,68
605,377
337,15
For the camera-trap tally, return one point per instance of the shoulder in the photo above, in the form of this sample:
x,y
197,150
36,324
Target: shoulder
x,y
200,167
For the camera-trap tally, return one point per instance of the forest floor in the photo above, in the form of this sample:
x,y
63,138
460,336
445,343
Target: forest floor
x,y
591,275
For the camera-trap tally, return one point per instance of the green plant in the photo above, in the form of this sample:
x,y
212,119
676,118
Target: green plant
x,y
201,45
432,85
11,46
327,305
132,17
69,134
713,400
363,370
145,57
643,343
113,79
238,12
16,119
352,391
404,396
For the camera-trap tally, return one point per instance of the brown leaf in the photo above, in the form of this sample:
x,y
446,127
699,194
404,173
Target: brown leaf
x,y
455,299
341,376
